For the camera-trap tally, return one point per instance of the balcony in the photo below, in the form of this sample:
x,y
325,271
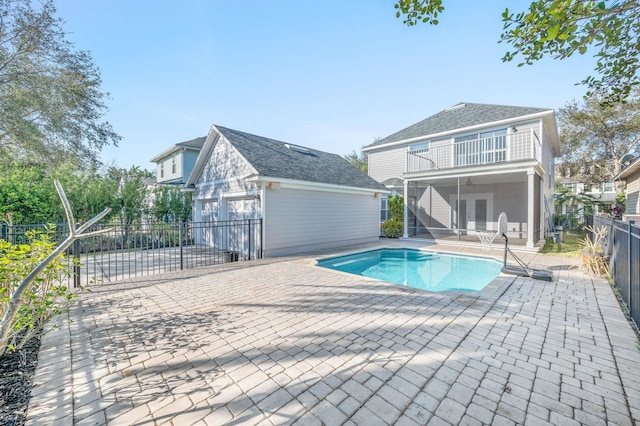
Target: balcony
x,y
524,145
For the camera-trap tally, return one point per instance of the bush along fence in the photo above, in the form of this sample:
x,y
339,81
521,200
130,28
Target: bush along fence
x,y
131,250
624,249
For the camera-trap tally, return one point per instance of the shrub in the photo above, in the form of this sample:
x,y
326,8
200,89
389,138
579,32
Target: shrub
x,y
392,228
45,297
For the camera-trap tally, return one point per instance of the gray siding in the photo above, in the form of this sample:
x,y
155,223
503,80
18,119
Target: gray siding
x,y
633,191
387,163
188,160
299,220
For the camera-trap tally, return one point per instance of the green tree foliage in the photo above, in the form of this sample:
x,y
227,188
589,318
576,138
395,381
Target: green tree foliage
x,y
396,207
578,205
394,226
31,279
359,160
170,204
132,193
25,194
561,28
595,137
28,195
51,104
45,297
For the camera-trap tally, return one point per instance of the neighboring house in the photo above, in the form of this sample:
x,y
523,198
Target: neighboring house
x,y
174,164
631,175
486,159
603,195
307,199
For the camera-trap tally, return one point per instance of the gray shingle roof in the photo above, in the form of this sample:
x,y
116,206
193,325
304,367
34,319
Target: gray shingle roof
x,y
193,143
272,158
457,117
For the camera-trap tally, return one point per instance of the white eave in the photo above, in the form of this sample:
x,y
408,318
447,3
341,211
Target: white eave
x,y
632,168
171,150
314,186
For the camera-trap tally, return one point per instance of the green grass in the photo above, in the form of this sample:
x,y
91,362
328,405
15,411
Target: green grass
x,y
570,247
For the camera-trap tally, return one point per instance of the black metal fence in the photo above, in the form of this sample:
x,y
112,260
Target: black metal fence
x,y
624,248
130,250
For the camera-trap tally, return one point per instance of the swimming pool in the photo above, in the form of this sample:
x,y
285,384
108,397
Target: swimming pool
x,y
432,271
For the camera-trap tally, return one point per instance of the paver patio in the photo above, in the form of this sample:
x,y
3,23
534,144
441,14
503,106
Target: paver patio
x,y
281,341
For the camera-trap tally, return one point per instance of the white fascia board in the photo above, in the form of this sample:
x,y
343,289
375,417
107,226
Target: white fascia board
x,y
632,168
203,156
513,120
477,171
314,186
165,153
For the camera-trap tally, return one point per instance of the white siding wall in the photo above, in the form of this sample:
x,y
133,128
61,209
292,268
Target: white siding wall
x,y
222,178
300,220
224,173
387,163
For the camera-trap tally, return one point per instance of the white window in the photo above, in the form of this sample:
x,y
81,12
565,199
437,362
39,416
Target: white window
x,y
173,165
384,209
420,146
481,148
162,169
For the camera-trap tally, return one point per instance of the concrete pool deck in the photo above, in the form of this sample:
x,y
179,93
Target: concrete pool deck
x,y
281,341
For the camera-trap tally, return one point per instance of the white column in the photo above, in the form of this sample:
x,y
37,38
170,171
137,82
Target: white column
x,y
406,210
543,223
530,207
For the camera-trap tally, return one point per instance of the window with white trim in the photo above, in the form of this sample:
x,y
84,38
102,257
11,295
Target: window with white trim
x,y
384,209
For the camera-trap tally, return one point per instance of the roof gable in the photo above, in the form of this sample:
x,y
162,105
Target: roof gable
x,y
459,116
277,159
193,144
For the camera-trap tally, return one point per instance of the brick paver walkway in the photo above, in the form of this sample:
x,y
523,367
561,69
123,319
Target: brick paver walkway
x,y
282,341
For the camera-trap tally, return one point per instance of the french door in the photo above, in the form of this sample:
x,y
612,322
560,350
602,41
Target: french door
x,y
471,213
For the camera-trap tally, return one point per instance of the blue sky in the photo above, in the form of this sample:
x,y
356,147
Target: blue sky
x,y
331,75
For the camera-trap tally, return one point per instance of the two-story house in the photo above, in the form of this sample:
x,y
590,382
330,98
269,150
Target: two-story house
x,y
174,164
463,166
600,197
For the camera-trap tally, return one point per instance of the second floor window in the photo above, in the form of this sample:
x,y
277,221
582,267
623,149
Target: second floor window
x,y
173,165
481,148
162,169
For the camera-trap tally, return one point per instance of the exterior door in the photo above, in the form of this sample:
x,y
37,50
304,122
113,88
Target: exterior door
x,y
474,212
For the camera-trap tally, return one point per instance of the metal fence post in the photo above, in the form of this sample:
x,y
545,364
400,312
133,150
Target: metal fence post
x,y
75,254
180,224
629,257
249,236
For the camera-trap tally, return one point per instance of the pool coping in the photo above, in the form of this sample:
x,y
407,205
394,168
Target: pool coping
x,y
493,290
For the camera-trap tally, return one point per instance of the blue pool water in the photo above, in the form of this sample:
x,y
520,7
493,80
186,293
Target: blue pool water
x,y
430,271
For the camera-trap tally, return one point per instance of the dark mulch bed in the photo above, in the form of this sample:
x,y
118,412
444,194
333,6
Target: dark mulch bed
x,y
16,378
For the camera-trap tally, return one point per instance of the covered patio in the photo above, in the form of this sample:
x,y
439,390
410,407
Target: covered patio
x,y
459,208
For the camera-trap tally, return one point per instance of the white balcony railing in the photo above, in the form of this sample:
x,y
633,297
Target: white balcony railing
x,y
497,149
